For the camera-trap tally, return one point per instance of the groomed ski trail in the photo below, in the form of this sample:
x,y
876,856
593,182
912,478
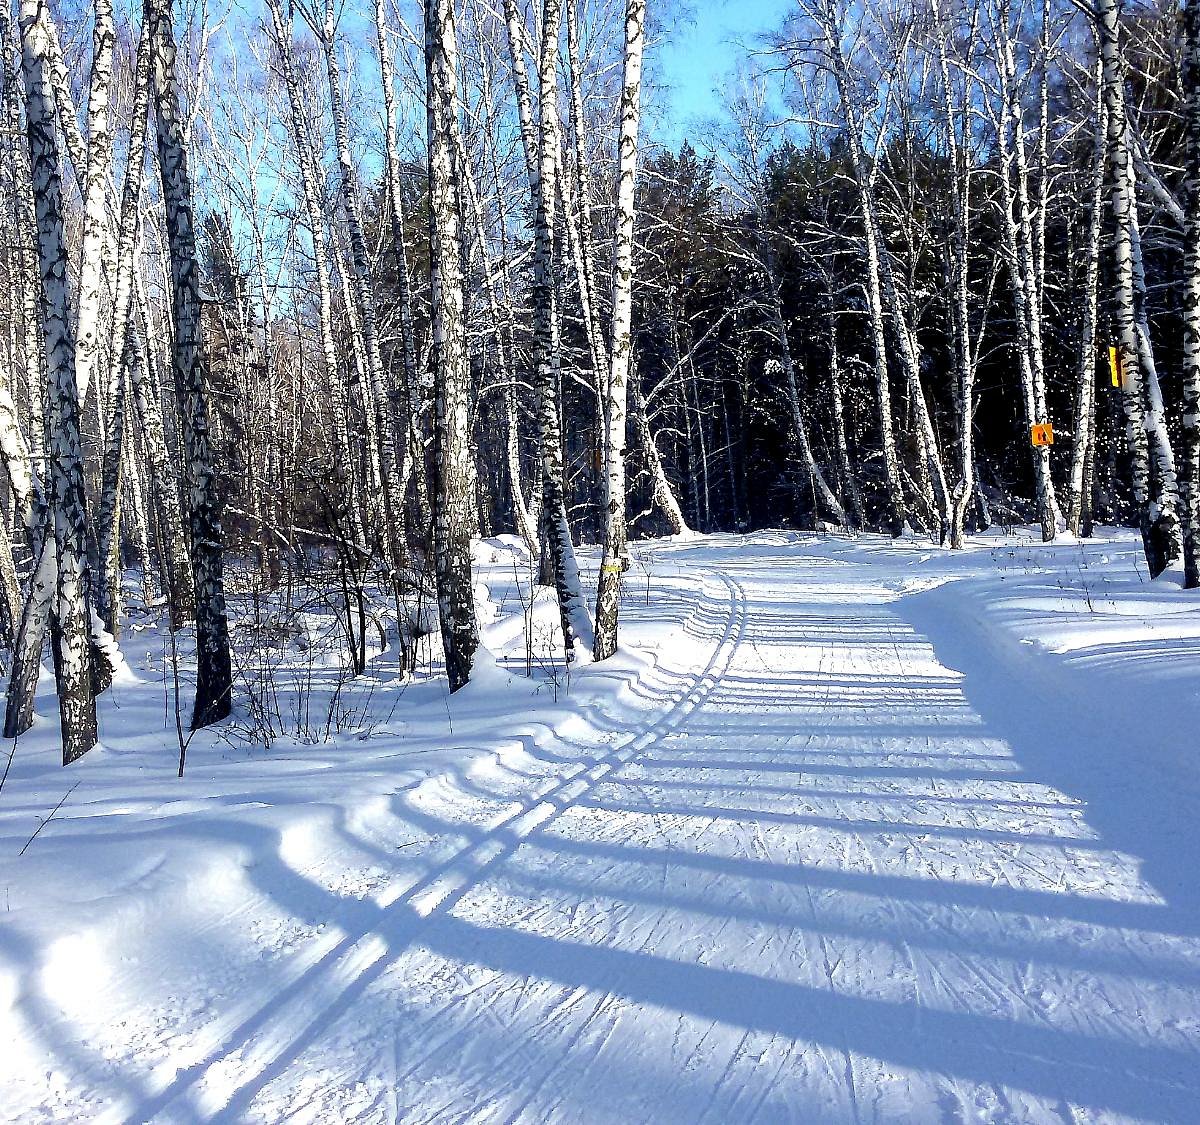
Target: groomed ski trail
x,y
824,858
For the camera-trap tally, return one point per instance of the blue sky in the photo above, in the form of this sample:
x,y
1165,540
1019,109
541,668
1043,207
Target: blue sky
x,y
697,56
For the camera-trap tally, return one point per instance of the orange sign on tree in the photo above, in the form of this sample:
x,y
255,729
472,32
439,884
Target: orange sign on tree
x,y
1042,434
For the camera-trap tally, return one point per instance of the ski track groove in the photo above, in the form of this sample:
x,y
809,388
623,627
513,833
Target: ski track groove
x,y
859,886
442,888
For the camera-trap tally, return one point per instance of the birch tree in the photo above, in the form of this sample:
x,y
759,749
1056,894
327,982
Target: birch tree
x,y
109,584
214,675
96,176
382,397
1154,483
573,614
1190,444
613,561
64,552
1083,449
452,524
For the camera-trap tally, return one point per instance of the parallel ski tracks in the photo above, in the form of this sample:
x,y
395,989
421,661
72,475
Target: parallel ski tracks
x,y
259,1039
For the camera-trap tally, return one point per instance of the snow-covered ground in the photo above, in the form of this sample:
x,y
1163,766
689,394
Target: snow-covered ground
x,y
852,831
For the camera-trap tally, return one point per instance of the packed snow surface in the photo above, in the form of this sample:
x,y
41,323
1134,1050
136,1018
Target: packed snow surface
x,y
849,831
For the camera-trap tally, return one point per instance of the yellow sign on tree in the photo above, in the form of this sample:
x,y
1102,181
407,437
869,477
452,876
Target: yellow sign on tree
x,y
1116,367
1042,434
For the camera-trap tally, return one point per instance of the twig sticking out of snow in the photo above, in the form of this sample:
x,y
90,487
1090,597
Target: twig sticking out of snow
x,y
48,819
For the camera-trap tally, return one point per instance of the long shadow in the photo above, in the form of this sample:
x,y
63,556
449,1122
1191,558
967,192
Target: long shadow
x,y
1092,1072
1078,735
856,826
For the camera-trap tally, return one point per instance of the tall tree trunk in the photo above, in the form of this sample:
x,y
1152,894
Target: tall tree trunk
x,y
364,295
306,162
89,349
525,521
214,675
897,510
410,388
664,495
72,617
1190,437
823,494
1079,504
614,561
1022,243
573,613
1153,472
852,500
452,427
109,584
957,268
22,454
147,404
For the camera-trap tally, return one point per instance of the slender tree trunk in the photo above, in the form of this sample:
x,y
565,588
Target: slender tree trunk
x,y
525,522
364,295
1153,472
882,290
214,675
957,268
1022,243
1083,450
664,495
410,389
89,349
72,634
147,403
852,499
27,264
452,433
109,584
614,560
576,623
1190,437
306,162
22,455
108,588
823,493
897,511
586,253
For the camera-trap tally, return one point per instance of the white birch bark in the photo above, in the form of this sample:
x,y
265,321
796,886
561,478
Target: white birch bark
x,y
1154,484
614,560
584,251
108,586
410,387
364,293
823,494
1020,230
68,512
146,398
1079,504
214,676
22,451
573,613
954,118
1189,465
664,495
452,430
852,500
830,27
95,249
307,165
523,518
